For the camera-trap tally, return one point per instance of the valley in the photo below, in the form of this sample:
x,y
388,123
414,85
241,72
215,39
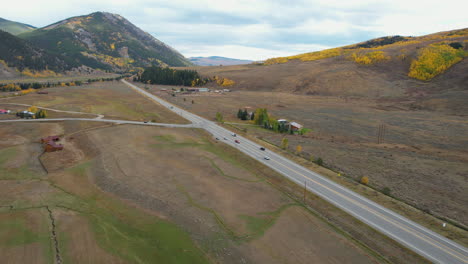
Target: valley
x,y
116,148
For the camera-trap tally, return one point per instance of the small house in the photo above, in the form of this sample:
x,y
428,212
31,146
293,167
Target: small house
x,y
282,121
49,139
52,146
26,114
295,126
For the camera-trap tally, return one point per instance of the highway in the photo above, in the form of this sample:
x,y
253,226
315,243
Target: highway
x,y
421,240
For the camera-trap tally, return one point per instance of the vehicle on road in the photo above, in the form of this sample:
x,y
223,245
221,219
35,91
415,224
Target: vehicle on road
x,y
266,157
225,138
262,148
237,141
234,134
145,122
217,138
172,107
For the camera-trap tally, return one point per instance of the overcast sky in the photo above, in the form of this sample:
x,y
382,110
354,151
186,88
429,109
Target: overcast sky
x,y
257,29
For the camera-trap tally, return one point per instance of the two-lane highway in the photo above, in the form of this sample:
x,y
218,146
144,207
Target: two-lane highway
x,y
421,240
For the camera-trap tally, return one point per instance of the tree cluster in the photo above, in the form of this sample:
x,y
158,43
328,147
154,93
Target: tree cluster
x,y
168,76
244,115
12,87
435,59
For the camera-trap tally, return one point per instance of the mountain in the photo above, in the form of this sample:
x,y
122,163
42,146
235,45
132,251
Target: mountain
x,y
14,28
105,41
25,57
216,60
427,71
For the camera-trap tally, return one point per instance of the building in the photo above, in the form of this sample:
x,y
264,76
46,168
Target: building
x,y
282,121
50,143
295,126
51,146
26,114
4,111
50,138
203,90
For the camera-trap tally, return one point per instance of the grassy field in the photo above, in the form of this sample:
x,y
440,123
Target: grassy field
x,y
421,161
91,226
114,100
83,78
225,200
164,195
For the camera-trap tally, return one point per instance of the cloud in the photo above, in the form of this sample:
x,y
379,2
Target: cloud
x,y
257,29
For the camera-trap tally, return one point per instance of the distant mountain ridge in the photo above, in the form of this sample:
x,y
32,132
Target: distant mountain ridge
x,y
13,27
217,60
104,41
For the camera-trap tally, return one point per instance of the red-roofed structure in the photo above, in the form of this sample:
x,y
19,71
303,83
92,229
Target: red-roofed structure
x,y
49,138
51,144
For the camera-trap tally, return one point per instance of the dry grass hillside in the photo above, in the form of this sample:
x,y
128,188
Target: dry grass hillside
x,y
371,69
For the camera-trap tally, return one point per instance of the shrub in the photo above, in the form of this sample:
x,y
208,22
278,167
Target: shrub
x,y
365,180
370,57
319,161
386,191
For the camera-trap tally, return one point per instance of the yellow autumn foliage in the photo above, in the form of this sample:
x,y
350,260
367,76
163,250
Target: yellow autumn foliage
x,y
30,90
370,57
39,74
435,59
33,109
311,56
224,81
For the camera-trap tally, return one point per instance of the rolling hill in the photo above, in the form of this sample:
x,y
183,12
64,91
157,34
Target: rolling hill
x,y
14,28
430,70
105,41
19,54
216,61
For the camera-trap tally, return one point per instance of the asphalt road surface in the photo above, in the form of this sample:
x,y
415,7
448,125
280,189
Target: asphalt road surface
x,y
421,240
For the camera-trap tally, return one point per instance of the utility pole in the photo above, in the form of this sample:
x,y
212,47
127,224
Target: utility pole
x,y
381,133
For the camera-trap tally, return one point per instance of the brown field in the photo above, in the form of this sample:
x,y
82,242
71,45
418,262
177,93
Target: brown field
x,y
422,159
114,100
124,183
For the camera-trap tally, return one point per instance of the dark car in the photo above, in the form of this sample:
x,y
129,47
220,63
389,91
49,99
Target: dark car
x,y
237,141
262,148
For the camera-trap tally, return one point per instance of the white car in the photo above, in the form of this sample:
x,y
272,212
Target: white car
x,y
234,134
267,158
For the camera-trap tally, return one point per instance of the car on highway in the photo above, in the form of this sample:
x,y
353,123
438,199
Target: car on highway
x,y
217,138
225,138
237,141
145,122
234,134
262,148
266,158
